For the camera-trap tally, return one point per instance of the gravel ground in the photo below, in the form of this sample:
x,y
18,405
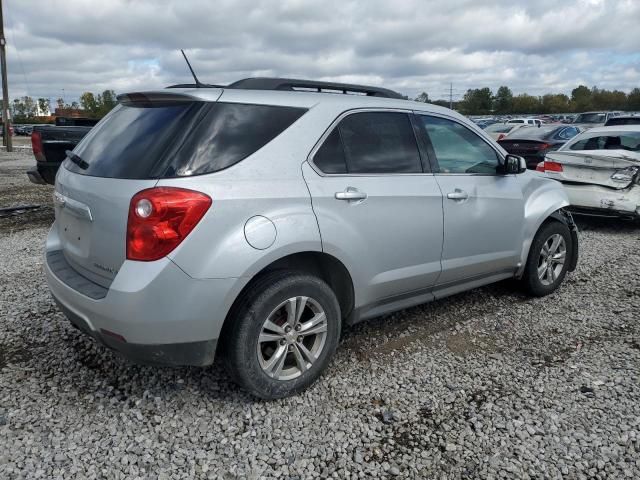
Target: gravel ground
x,y
486,384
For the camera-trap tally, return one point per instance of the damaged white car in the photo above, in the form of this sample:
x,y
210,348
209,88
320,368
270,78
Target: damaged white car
x,y
600,170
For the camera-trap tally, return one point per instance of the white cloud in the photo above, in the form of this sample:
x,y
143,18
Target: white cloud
x,y
409,45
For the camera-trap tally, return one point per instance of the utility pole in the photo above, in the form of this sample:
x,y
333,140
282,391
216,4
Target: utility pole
x,y
450,93
6,120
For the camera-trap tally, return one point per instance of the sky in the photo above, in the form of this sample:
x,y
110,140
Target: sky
x,y
66,47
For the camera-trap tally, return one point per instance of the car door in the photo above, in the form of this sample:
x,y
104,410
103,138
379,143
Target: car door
x,y
483,210
378,211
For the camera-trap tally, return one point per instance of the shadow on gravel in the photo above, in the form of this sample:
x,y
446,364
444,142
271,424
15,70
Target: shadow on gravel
x,y
394,332
606,224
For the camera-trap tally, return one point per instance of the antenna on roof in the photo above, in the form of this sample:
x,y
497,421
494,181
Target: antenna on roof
x,y
198,84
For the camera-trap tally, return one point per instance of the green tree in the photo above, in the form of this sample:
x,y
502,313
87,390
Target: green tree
x,y
503,101
108,102
581,99
44,105
477,101
525,103
423,97
633,100
89,103
552,103
23,109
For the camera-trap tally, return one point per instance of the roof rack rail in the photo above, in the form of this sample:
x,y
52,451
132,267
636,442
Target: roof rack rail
x,y
291,84
193,85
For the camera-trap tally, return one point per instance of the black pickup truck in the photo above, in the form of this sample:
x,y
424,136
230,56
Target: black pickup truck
x,y
50,143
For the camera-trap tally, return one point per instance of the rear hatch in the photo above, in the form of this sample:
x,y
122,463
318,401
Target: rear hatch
x,y
128,151
608,168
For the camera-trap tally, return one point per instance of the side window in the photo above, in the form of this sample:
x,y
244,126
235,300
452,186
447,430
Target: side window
x,y
379,142
458,149
330,156
370,142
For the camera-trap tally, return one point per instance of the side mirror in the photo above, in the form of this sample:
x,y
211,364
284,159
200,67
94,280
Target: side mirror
x,y
513,164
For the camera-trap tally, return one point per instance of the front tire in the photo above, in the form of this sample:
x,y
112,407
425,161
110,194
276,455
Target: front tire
x,y
549,258
282,335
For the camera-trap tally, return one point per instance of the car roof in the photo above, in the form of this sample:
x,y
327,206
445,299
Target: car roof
x,y
303,99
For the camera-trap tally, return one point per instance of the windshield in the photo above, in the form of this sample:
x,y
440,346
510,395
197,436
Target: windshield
x,y
590,118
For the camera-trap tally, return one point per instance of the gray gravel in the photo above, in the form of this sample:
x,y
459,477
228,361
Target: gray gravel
x,y
486,384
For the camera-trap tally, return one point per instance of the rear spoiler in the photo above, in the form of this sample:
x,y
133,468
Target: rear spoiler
x,y
142,99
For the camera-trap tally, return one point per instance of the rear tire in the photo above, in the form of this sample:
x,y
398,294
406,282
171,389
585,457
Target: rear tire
x,y
282,334
549,259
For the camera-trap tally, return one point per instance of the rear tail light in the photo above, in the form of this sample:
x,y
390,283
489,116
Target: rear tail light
x,y
501,136
543,146
540,167
552,167
160,219
36,145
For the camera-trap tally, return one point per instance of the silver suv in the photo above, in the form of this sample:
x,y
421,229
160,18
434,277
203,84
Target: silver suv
x,y
255,220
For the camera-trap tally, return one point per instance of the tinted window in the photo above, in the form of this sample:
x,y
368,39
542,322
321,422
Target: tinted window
x,y
590,118
178,139
229,133
623,121
330,156
618,141
379,142
567,133
458,149
129,141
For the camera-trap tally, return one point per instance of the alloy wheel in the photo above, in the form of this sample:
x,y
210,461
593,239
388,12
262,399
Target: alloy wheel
x,y
551,260
292,338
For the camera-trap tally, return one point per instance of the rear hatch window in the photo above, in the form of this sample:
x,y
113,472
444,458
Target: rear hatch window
x,y
145,140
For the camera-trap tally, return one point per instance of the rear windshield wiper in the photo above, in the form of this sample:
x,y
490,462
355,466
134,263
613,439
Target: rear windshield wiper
x,y
76,159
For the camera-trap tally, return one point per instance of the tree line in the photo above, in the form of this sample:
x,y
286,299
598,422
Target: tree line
x,y
482,101
28,110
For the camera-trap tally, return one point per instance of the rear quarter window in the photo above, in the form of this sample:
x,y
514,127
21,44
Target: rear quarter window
x,y
156,140
229,133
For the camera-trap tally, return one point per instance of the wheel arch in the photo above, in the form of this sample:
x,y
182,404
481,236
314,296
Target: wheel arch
x,y
545,201
323,265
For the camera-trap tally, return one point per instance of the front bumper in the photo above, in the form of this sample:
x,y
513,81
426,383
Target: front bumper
x,y
600,200
152,312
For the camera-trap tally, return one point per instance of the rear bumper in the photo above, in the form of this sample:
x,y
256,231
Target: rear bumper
x,y
44,173
151,313
171,354
595,199
35,177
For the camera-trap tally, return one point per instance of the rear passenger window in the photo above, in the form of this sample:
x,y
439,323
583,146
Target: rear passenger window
x,y
330,156
371,142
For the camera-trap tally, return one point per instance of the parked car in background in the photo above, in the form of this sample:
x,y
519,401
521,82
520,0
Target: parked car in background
x,y
281,215
533,143
623,120
600,170
594,119
526,121
498,131
11,130
49,144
